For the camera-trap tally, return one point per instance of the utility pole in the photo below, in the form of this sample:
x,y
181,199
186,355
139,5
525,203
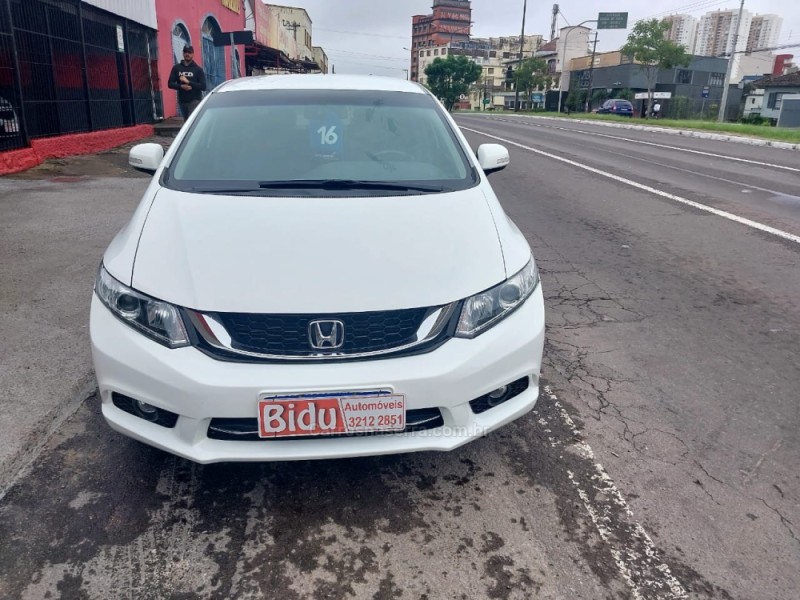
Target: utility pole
x,y
723,105
521,46
554,23
591,76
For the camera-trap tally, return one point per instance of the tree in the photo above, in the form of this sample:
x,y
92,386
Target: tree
x,y
648,46
483,89
600,95
451,77
531,75
576,100
626,94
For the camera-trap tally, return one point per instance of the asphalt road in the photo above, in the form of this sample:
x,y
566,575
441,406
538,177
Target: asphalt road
x,y
661,462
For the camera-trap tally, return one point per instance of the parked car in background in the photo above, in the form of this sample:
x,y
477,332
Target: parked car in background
x,y
619,107
9,123
319,269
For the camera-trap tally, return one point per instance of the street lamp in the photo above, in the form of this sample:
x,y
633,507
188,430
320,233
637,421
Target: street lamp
x,y
408,76
566,37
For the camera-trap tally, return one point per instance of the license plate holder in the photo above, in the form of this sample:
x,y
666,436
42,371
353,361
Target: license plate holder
x,y
327,414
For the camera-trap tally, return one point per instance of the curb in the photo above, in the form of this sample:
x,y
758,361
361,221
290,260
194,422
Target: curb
x,y
703,135
72,144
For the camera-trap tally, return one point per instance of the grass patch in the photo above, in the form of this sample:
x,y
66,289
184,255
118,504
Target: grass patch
x,y
758,131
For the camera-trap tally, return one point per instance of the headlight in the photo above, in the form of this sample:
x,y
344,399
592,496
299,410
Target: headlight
x,y
157,320
483,310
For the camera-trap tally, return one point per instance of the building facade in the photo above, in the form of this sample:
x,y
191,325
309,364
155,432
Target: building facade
x,y
748,65
73,67
694,89
498,58
717,31
507,46
784,64
320,58
450,21
776,88
601,59
764,32
282,41
683,31
572,42
200,24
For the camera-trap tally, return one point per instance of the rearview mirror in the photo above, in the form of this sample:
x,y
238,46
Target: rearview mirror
x,y
493,157
146,157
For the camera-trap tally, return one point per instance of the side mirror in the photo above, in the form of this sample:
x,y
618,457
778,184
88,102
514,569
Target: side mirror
x,y
493,157
146,157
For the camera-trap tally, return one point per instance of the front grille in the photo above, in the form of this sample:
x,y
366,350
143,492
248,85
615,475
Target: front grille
x,y
288,335
246,430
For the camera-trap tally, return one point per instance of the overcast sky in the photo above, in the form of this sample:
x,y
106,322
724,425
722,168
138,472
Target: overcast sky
x,y
368,36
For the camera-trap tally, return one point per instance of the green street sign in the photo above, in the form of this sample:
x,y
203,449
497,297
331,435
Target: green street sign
x,y
486,100
618,20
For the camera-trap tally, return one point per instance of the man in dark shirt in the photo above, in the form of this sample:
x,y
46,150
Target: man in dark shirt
x,y
189,79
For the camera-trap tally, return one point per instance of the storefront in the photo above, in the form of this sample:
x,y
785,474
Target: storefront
x,y
198,24
68,66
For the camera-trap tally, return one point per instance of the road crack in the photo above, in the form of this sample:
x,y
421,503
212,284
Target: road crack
x,y
784,521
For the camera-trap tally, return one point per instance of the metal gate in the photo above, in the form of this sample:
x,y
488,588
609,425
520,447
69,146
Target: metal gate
x,y
67,67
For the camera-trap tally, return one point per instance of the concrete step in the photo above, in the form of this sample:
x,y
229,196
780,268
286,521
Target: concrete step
x,y
169,127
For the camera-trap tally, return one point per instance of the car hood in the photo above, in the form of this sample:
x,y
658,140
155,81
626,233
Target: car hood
x,y
317,255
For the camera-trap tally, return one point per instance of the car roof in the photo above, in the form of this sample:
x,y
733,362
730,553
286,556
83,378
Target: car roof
x,y
321,82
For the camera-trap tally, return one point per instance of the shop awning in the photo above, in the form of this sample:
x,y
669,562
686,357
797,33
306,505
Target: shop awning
x,y
263,57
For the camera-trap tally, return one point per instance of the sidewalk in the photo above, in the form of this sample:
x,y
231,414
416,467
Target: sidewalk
x,y
55,222
695,133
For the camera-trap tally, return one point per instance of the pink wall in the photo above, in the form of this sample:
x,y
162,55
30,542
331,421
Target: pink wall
x,y
192,14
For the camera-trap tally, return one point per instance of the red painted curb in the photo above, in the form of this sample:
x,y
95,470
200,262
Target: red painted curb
x,y
69,145
15,161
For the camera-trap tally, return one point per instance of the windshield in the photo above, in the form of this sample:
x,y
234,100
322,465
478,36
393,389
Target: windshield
x,y
320,142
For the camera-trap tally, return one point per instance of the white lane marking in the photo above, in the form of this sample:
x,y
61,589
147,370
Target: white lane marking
x,y
631,562
624,139
720,213
678,148
705,175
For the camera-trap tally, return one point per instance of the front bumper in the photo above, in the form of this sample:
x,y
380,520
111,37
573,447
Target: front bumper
x,y
199,388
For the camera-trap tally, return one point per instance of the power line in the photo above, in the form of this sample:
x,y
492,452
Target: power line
x,y
364,55
688,8
378,35
772,49
352,62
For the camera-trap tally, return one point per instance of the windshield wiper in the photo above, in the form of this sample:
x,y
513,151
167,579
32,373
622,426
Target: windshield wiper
x,y
346,184
245,188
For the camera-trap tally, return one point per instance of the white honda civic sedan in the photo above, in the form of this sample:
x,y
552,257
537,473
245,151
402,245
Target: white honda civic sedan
x,y
318,269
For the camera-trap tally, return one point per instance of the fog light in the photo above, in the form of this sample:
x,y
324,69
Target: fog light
x,y
147,411
497,396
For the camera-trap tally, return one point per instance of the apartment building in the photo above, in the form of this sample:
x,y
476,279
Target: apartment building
x,y
507,46
683,30
717,30
764,32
